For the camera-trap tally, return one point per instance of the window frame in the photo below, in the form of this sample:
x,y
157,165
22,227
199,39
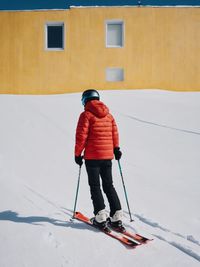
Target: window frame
x,y
55,23
115,21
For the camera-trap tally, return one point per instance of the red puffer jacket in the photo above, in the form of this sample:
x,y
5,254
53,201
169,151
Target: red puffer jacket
x,y
96,132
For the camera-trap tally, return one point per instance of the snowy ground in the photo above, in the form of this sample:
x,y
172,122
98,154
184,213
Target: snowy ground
x,y
160,140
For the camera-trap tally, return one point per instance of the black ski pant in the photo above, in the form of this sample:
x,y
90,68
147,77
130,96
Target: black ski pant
x,y
97,169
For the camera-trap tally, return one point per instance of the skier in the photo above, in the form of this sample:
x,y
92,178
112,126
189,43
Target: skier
x,y
97,137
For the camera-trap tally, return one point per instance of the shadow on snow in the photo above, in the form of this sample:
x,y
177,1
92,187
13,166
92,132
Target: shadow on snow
x,y
13,216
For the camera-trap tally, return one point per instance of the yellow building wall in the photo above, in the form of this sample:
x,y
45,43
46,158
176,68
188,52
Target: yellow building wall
x,y
161,50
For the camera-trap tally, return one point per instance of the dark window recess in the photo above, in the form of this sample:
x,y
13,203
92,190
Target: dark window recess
x,y
55,37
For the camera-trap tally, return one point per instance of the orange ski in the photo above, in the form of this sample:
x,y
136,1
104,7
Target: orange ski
x,y
124,239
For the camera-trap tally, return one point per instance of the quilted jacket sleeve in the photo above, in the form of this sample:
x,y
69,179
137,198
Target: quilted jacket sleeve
x,y
115,134
81,133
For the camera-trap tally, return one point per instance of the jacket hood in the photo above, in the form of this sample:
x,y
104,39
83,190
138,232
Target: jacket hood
x,y
98,108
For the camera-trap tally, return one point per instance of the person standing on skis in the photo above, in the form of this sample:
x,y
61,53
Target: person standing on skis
x,y
97,137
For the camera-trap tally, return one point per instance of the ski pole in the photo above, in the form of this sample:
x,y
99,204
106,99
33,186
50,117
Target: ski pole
x,y
125,192
77,190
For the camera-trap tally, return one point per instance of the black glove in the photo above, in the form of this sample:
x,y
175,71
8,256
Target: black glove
x,y
117,153
79,160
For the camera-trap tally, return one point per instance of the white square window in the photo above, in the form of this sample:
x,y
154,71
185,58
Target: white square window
x,y
114,33
54,36
114,74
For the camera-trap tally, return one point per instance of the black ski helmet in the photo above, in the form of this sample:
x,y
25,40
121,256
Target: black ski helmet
x,y
89,94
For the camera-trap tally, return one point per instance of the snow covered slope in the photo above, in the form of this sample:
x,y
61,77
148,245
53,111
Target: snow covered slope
x,y
160,140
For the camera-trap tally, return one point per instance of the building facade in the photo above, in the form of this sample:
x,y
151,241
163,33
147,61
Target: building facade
x,y
124,47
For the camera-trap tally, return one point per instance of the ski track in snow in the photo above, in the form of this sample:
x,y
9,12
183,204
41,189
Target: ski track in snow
x,y
172,238
156,225
50,238
41,202
181,247
160,125
165,235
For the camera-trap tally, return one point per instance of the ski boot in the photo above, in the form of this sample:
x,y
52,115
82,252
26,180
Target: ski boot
x,y
100,221
116,222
